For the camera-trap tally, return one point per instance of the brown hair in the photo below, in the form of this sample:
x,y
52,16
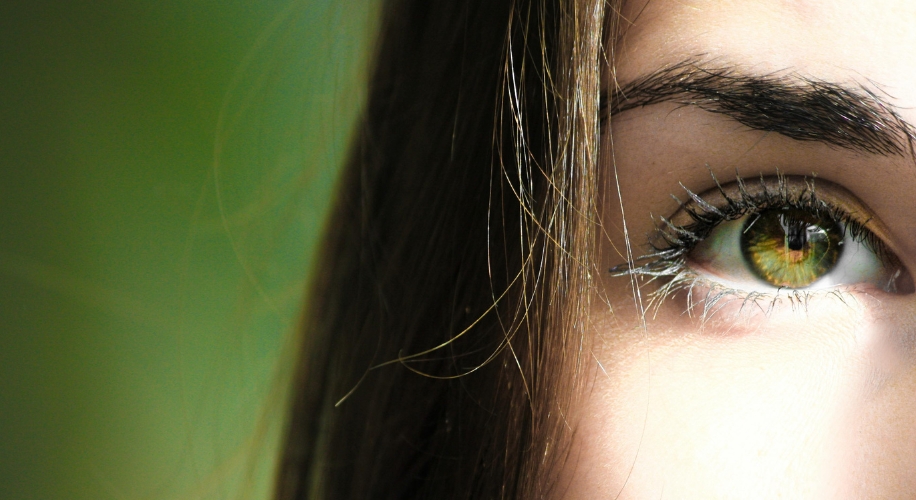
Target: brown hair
x,y
461,244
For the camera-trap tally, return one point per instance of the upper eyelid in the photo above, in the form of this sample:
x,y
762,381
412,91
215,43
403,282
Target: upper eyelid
x,y
787,188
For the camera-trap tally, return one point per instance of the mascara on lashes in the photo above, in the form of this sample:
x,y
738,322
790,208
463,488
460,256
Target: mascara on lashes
x,y
677,236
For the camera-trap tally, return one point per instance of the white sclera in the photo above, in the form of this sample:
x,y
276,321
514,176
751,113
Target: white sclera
x,y
719,258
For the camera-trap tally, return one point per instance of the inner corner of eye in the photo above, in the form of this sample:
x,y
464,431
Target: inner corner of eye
x,y
902,282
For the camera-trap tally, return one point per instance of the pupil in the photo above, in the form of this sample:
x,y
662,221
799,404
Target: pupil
x,y
791,247
796,232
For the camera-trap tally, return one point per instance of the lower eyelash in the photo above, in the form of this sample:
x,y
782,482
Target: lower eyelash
x,y
716,297
672,242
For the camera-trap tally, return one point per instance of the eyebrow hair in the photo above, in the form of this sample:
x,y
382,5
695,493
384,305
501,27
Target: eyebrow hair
x,y
798,107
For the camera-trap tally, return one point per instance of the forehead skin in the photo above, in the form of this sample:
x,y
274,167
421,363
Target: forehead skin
x,y
813,404
834,39
859,42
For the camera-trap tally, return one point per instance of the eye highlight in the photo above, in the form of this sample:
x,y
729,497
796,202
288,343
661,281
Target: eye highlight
x,y
757,239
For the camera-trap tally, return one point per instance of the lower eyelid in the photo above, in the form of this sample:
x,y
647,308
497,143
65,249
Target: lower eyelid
x,y
711,301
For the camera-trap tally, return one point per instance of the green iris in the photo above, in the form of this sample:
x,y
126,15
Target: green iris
x,y
791,247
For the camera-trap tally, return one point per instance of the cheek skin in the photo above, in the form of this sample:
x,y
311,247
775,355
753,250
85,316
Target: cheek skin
x,y
799,404
809,402
880,452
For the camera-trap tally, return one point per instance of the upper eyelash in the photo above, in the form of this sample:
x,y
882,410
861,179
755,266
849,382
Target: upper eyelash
x,y
672,242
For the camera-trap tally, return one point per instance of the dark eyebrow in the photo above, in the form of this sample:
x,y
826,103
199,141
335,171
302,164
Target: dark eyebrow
x,y
802,108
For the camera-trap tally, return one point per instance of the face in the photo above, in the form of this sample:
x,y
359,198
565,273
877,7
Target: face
x,y
780,361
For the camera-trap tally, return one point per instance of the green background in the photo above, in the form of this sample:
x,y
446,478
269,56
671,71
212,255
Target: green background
x,y
165,168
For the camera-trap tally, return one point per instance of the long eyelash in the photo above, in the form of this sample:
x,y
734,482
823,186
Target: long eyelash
x,y
671,243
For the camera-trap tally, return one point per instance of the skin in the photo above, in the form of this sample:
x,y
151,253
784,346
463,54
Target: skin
x,y
803,402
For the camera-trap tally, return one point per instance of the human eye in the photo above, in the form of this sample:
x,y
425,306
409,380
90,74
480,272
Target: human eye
x,y
774,235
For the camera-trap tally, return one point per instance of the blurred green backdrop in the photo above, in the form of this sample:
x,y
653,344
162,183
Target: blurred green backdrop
x,y
164,170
